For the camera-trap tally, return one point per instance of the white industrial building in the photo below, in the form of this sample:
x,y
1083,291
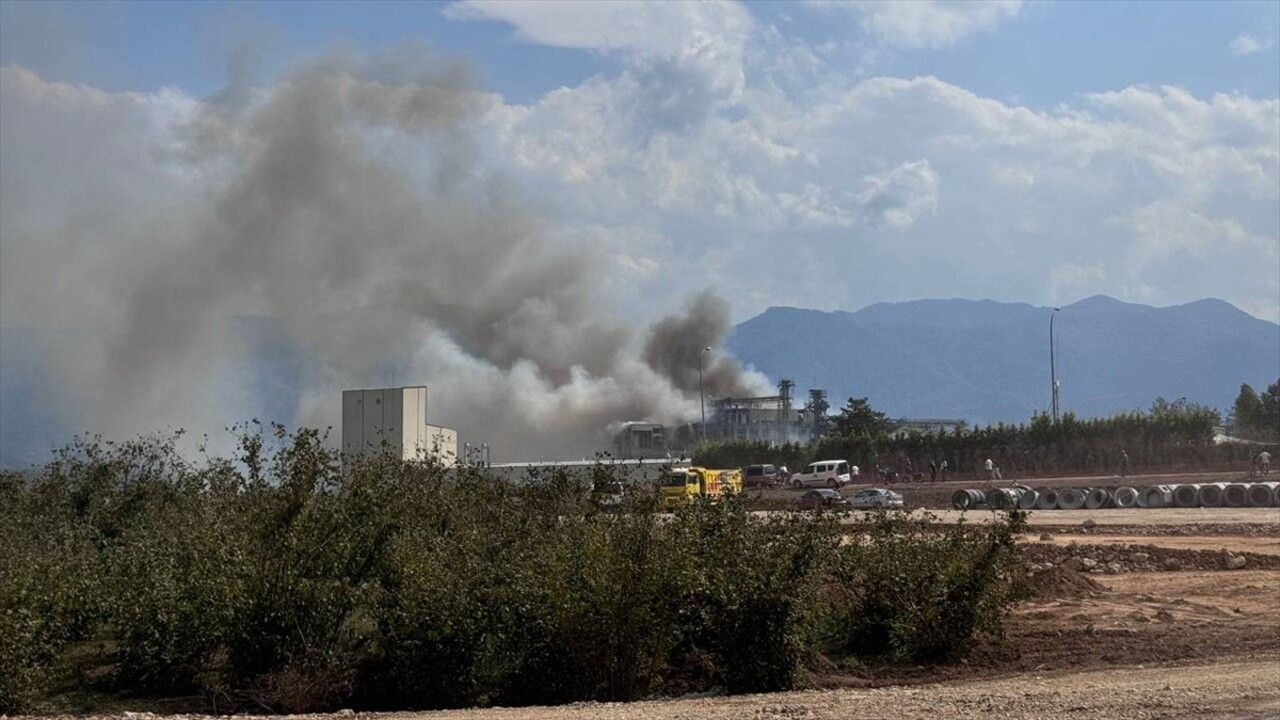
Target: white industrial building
x,y
394,420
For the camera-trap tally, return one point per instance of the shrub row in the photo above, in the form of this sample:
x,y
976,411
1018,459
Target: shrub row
x,y
277,580
1169,436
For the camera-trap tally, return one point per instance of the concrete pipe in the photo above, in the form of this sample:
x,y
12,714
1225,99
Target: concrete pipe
x,y
1186,496
1125,497
1027,501
1262,494
1236,495
978,499
1097,498
960,500
1156,496
1211,494
1070,499
1046,498
1275,496
1003,498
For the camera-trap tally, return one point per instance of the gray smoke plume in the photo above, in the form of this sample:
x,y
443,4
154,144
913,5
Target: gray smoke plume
x,y
349,206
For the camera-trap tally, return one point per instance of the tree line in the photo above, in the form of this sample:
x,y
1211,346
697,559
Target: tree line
x,y
1168,436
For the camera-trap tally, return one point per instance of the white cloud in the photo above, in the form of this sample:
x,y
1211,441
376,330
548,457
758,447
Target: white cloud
x,y
862,164
684,57
1246,44
1069,281
897,197
926,23
796,169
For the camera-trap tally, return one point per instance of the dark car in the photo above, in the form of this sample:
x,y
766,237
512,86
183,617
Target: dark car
x,y
760,476
824,499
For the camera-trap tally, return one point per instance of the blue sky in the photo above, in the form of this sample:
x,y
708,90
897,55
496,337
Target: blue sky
x,y
1046,54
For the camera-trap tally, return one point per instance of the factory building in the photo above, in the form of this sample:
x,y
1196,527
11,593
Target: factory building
x,y
638,440
773,418
394,420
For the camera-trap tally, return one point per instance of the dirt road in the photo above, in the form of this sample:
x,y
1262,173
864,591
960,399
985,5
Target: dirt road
x,y
1233,543
1115,516
1238,689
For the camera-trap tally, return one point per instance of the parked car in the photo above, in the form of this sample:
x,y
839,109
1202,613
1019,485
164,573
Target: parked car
x,y
610,495
824,499
761,476
874,498
824,473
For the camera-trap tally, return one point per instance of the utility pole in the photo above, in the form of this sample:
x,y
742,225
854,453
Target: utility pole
x,y
702,403
1053,366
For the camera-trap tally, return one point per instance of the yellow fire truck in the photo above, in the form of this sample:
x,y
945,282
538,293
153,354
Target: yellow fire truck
x,y
681,487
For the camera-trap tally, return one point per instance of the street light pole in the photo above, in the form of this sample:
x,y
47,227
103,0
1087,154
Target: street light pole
x,y
1053,366
702,404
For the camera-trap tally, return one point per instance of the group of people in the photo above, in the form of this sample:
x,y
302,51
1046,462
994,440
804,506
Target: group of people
x,y
937,471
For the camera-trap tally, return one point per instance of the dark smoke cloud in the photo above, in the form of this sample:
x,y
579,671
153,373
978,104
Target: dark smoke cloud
x,y
675,345
350,205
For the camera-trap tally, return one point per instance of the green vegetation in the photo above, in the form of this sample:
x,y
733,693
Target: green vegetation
x,y
1255,416
1171,435
275,580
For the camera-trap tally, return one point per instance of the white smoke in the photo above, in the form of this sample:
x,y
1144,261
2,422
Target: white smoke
x,y
349,206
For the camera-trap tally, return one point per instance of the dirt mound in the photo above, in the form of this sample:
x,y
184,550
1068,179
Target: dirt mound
x,y
1113,559
1258,529
1061,582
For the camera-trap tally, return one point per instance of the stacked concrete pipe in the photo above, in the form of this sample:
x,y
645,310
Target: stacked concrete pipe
x,y
1156,496
1125,497
1211,494
1097,498
1047,498
1236,495
1004,498
1071,499
1263,494
1186,496
1028,499
968,499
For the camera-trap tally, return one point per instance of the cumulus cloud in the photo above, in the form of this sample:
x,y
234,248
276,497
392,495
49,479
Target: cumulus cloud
x,y
1025,187
896,197
1246,44
684,58
926,23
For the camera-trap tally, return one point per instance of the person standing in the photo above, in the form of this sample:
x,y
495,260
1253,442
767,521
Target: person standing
x,y
933,471
1264,461
990,468
943,470
1124,463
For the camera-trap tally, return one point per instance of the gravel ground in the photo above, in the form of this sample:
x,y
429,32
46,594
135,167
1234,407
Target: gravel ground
x,y
1239,689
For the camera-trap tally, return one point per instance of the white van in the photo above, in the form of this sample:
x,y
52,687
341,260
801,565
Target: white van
x,y
824,473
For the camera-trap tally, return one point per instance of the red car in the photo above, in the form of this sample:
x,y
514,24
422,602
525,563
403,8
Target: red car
x,y
824,499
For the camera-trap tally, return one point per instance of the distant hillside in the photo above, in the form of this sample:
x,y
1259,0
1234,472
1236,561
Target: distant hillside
x,y
986,361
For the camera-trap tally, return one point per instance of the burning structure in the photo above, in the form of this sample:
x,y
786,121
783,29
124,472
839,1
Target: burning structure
x,y
773,418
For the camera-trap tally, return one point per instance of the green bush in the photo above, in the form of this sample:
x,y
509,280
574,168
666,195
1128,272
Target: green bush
x,y
908,589
279,579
